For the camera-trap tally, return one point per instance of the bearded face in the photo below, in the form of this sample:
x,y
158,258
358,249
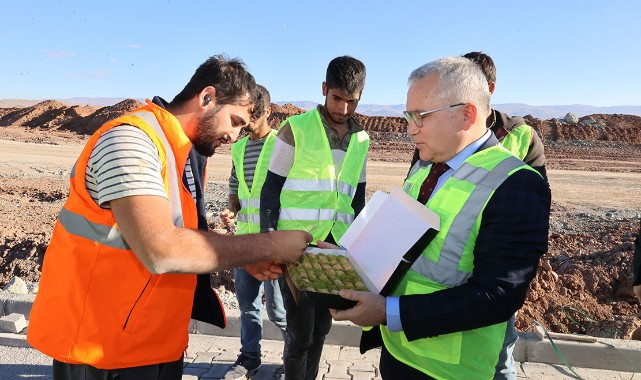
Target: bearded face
x,y
209,132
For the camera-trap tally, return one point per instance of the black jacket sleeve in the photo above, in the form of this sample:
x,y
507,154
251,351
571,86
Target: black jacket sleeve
x,y
358,202
270,202
636,265
512,237
535,156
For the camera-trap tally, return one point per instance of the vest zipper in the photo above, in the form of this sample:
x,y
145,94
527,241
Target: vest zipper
x,y
136,303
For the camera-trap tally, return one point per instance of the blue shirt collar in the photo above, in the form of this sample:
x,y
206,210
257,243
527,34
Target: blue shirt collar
x,y
456,161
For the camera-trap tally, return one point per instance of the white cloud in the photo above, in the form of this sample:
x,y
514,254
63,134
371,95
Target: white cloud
x,y
133,46
100,74
59,54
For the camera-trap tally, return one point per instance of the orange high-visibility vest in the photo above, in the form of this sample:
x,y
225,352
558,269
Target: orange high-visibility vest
x,y
97,304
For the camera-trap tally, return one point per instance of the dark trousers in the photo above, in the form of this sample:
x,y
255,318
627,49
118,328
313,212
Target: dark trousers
x,y
393,369
307,327
163,371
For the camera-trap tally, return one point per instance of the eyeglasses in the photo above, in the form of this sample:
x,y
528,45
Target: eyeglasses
x,y
417,117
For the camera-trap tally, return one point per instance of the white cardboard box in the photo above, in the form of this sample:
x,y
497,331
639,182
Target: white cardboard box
x,y
381,244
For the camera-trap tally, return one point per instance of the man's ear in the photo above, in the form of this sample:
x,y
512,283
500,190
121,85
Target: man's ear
x,y
268,112
324,89
470,113
206,96
491,87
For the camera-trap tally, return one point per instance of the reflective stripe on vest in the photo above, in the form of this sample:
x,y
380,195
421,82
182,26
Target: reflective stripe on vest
x,y
77,224
253,202
326,214
174,185
248,218
319,185
486,182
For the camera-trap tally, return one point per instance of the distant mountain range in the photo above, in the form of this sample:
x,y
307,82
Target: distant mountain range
x,y
516,109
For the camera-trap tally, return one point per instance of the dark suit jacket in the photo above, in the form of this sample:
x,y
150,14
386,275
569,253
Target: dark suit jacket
x,y
512,237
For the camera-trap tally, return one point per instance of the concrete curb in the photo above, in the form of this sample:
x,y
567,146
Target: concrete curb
x,y
609,354
606,354
13,340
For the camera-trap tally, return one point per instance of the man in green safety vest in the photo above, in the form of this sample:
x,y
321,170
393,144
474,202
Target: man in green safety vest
x,y
250,158
316,181
446,319
525,143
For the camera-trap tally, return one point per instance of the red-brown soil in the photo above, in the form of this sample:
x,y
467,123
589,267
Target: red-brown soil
x,y
588,266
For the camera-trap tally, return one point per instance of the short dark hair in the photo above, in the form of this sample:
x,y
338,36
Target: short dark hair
x,y
485,62
347,74
228,76
263,101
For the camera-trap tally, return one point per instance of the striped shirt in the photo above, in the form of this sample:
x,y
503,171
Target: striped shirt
x,y
125,162
252,152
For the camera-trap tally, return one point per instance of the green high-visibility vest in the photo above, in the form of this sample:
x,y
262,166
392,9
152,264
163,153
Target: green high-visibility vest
x,y
315,194
518,141
448,261
248,218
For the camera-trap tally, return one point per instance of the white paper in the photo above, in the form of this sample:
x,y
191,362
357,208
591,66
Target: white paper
x,y
384,231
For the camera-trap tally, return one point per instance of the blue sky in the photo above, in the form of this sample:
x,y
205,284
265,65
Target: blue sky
x,y
546,52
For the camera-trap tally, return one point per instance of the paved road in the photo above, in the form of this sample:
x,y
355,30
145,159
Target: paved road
x,y
208,357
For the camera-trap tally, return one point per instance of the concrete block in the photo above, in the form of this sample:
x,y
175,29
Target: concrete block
x,y
17,286
20,305
338,369
13,323
203,359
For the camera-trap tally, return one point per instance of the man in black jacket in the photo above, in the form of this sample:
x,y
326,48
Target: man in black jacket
x,y
447,317
530,150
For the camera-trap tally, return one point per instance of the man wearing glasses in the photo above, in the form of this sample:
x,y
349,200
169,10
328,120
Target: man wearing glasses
x,y
524,142
447,317
512,131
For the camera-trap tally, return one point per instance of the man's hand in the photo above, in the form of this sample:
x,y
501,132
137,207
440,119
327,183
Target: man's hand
x,y
288,246
637,292
325,245
265,270
369,311
228,218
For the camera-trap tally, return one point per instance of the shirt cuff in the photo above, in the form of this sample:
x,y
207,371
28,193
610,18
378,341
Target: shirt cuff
x,y
393,311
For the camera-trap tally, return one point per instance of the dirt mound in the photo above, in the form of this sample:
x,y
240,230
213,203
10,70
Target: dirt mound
x,y
625,128
41,115
280,113
53,115
584,283
89,124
